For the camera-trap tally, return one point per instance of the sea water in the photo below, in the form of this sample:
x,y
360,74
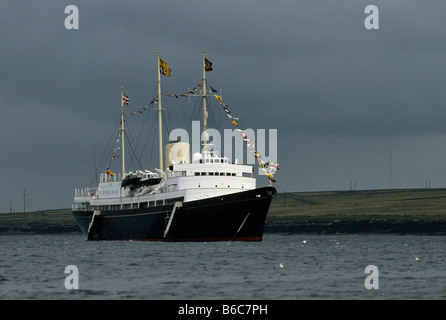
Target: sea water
x,y
282,266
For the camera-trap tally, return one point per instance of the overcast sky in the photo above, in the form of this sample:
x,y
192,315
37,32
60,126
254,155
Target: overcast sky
x,y
349,104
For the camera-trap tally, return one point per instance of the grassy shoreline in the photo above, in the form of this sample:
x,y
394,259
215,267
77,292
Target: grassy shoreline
x,y
43,221
398,211
392,210
397,204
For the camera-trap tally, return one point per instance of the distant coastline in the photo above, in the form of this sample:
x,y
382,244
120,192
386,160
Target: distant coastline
x,y
38,222
38,229
398,211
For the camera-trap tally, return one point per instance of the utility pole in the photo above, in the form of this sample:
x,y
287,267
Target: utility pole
x,y
24,202
390,162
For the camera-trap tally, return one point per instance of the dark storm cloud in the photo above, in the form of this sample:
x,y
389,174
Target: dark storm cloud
x,y
334,90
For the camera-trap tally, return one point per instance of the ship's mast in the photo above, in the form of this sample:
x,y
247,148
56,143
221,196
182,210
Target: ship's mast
x,y
160,131
122,134
205,113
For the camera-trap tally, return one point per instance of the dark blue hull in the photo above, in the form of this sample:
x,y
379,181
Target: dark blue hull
x,y
239,216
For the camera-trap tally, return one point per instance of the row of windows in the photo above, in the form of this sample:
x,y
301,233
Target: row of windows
x,y
138,205
108,192
218,160
215,174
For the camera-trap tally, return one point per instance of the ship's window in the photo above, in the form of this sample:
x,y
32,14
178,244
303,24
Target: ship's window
x,y
211,173
197,173
143,205
233,174
203,173
222,173
228,173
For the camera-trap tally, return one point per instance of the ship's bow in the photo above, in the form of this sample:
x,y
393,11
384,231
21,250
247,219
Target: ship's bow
x,y
239,216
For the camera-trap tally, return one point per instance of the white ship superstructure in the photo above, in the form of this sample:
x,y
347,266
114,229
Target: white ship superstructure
x,y
207,176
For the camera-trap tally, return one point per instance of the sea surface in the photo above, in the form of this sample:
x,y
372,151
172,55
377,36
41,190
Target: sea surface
x,y
282,266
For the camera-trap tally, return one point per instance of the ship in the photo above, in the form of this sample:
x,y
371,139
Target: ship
x,y
205,197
